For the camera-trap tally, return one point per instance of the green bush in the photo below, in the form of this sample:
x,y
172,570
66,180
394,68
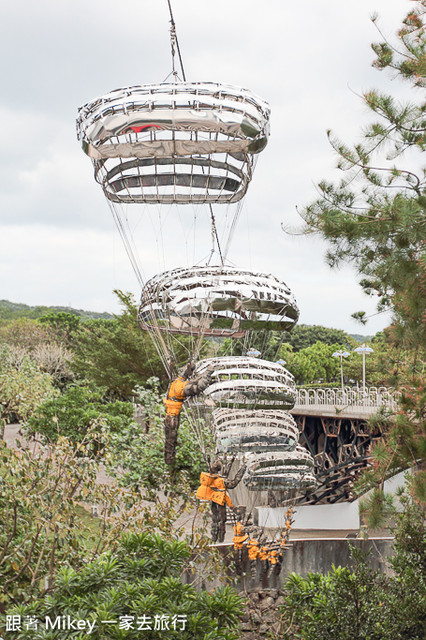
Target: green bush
x,y
140,577
362,604
72,413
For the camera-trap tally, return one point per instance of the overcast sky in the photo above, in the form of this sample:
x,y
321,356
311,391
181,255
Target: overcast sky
x,y
309,60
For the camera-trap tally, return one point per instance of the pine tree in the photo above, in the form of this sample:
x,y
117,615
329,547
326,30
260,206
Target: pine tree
x,y
375,219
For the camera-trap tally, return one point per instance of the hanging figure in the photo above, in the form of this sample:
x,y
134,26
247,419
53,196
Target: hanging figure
x,y
240,536
263,557
179,389
214,488
253,551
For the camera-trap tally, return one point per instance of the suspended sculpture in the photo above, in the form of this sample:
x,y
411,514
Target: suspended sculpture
x,y
174,143
187,143
217,301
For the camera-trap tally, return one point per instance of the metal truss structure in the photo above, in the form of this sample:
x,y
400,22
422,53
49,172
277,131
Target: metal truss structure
x,y
341,450
186,142
216,301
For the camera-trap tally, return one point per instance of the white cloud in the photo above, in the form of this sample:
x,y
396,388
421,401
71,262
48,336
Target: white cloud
x,y
58,240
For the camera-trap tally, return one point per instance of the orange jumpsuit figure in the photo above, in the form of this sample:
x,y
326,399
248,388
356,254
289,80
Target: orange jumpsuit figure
x,y
214,488
239,536
179,389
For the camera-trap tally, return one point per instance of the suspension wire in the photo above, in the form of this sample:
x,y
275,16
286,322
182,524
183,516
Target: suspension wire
x,y
126,242
174,41
232,228
157,338
214,237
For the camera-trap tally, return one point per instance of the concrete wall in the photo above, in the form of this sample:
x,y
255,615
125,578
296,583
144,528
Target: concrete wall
x,y
322,516
302,557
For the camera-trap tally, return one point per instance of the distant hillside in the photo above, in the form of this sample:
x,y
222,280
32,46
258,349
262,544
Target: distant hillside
x,y
359,338
14,310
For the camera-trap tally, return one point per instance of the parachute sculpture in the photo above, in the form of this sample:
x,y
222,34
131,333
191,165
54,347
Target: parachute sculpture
x,y
174,143
195,144
218,301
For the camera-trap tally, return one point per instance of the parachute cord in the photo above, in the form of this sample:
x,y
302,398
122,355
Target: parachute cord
x,y
214,237
126,242
174,41
156,336
232,229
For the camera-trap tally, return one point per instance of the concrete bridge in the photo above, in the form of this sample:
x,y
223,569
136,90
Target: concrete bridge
x,y
347,403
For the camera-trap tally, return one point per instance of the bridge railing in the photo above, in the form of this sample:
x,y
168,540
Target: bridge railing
x,y
348,397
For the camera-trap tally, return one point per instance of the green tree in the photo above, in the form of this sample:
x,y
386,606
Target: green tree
x,y
63,325
358,603
305,335
375,219
72,413
314,364
380,226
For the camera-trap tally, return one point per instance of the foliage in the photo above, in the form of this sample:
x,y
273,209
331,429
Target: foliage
x,y
350,604
133,451
304,335
25,339
38,498
404,446
380,228
24,333
115,353
22,389
14,310
44,528
141,576
314,363
63,325
72,413
375,219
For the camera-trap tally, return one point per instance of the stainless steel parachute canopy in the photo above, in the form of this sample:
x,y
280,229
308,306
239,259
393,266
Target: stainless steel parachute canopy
x,y
216,301
238,431
271,471
184,142
241,382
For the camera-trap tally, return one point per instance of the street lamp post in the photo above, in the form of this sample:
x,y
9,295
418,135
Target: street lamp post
x,y
341,354
253,353
363,349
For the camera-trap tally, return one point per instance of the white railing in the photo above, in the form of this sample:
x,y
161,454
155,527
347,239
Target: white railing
x,y
348,397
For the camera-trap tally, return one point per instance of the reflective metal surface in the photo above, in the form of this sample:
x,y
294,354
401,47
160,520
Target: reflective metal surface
x,y
240,431
216,301
188,142
243,382
280,471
